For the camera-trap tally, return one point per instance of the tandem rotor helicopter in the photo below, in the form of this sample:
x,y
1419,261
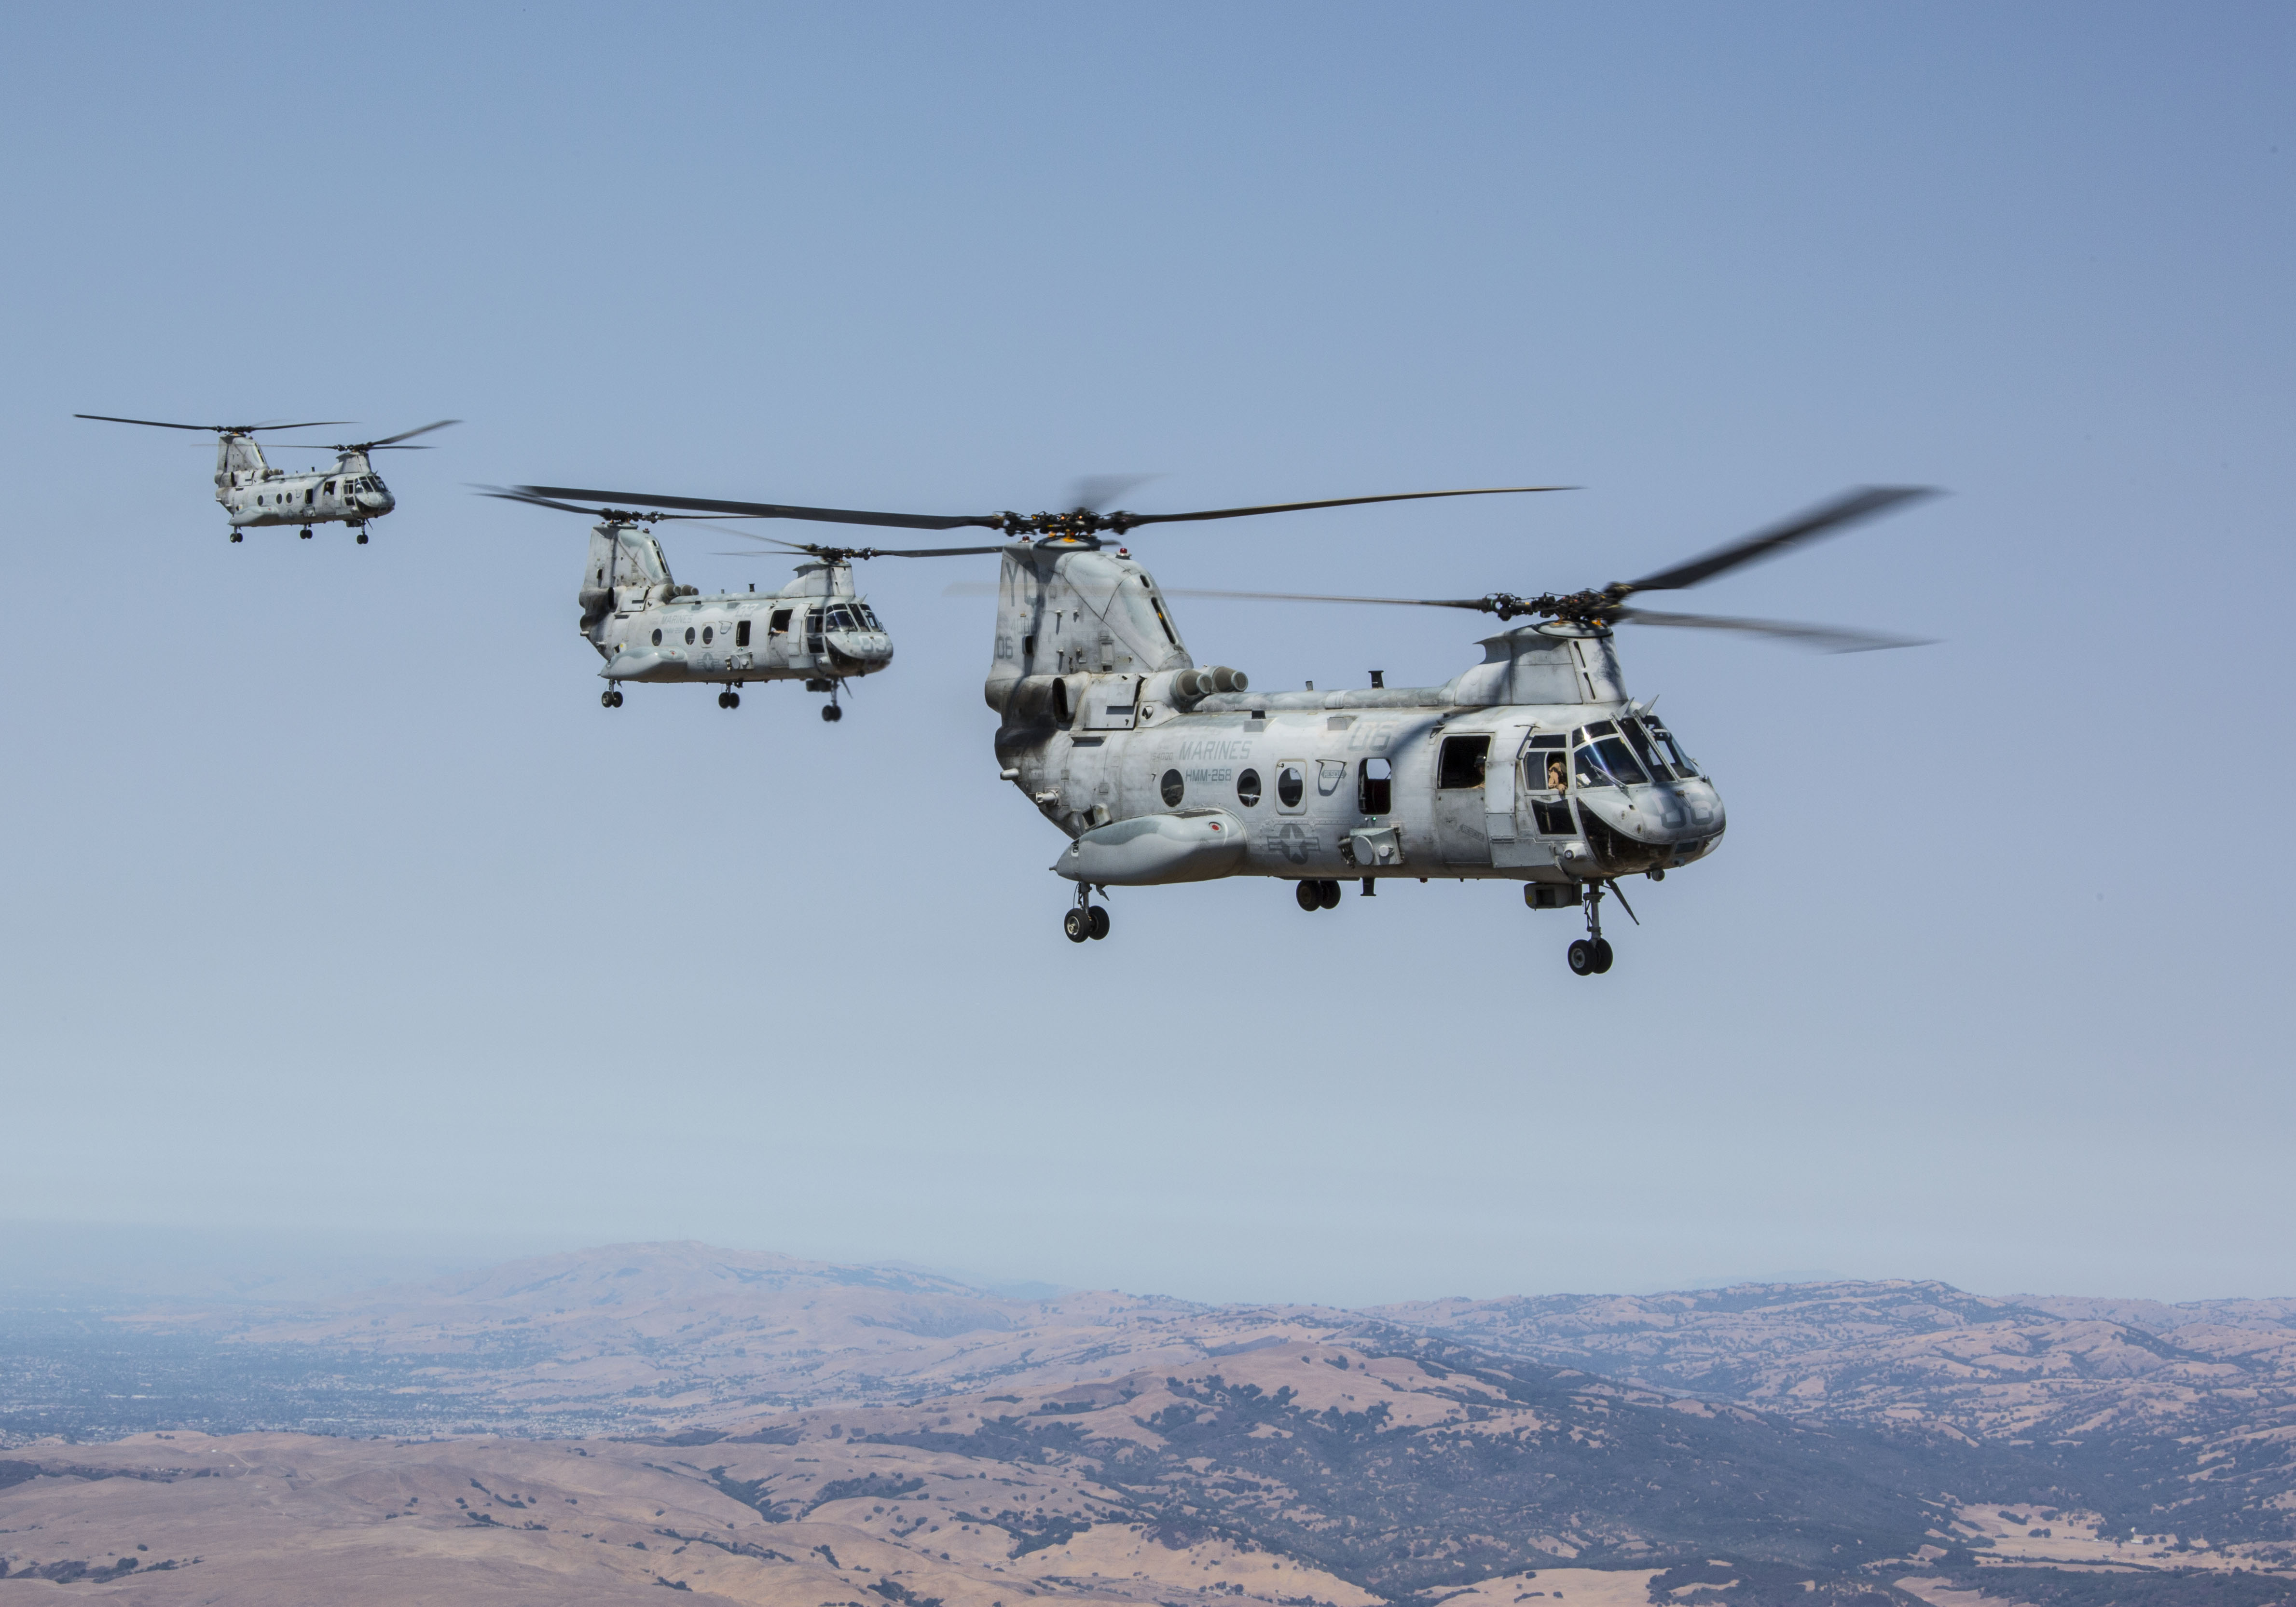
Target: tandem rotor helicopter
x,y
649,629
254,493
1536,765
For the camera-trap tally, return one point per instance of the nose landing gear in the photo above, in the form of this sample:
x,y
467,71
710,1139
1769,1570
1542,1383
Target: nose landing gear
x,y
1590,956
612,698
1087,920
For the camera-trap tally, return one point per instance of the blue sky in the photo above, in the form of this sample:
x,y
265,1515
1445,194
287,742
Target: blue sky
x,y
338,903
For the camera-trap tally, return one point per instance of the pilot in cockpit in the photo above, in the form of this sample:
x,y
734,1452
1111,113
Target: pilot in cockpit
x,y
1557,773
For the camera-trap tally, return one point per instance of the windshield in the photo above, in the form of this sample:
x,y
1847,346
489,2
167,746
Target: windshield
x,y
1683,765
1653,758
840,619
1607,762
867,618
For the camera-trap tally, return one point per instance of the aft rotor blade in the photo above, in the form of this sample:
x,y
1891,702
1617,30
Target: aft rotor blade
x,y
1095,492
1480,604
211,429
1824,520
1824,638
567,507
1330,502
775,510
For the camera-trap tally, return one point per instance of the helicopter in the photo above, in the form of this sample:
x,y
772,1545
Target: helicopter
x,y
254,493
1536,765
650,628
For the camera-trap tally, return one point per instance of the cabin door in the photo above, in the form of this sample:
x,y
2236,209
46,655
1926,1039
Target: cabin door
x,y
1462,834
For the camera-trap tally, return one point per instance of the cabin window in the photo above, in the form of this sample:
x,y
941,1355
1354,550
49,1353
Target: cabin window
x,y
709,634
1463,761
1174,788
1247,789
1375,786
329,487
779,623
657,638
1290,786
689,635
308,493
742,633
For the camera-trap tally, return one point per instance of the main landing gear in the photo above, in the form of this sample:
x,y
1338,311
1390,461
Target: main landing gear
x,y
829,711
729,698
1086,919
1590,956
612,698
1317,895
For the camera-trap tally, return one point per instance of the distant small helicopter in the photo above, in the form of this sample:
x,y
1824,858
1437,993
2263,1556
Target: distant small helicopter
x,y
254,493
816,629
1535,766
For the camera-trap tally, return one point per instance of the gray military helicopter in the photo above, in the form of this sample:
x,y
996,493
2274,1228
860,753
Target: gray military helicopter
x,y
1535,766
254,493
649,629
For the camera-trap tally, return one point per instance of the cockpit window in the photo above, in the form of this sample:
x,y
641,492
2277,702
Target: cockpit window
x,y
867,619
840,619
1606,762
1652,757
1683,765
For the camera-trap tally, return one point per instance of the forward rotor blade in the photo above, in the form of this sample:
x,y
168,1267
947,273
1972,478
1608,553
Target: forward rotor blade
x,y
1330,502
1824,638
1824,520
773,510
408,435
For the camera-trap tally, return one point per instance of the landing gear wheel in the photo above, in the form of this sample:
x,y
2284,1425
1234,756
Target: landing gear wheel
x,y
832,713
235,535
722,703
733,700
1327,895
1311,895
1097,920
362,541
1582,958
304,532
609,699
1078,924
1602,956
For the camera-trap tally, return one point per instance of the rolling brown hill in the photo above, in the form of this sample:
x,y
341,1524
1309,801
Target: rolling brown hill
x,y
1888,1441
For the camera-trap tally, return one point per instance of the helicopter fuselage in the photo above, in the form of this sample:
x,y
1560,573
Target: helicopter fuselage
x,y
1535,766
255,494
1373,783
649,629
